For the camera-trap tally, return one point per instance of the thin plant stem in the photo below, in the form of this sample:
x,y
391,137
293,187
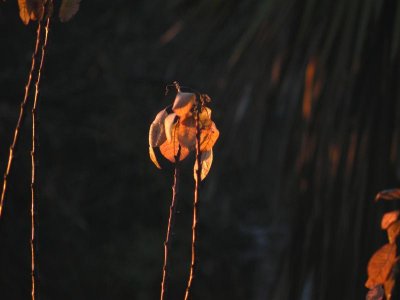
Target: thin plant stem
x,y
33,161
20,118
195,204
171,221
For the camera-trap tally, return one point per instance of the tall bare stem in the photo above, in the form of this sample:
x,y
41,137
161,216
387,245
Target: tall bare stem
x,y
33,162
171,221
20,118
195,204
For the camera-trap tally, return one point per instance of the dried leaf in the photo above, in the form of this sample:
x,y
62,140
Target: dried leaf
x,y
380,265
389,218
187,133
170,149
157,130
206,162
35,9
208,137
375,293
393,231
170,126
183,103
388,286
205,117
153,157
68,9
393,194
24,13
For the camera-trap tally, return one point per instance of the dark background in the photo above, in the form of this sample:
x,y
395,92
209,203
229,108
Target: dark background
x,y
306,97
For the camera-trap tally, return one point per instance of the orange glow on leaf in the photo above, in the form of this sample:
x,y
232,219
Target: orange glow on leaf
x,y
388,286
187,133
380,265
393,231
389,218
170,149
157,130
183,104
208,137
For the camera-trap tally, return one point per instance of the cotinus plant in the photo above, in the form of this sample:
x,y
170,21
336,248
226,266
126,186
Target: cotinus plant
x,y
383,265
177,130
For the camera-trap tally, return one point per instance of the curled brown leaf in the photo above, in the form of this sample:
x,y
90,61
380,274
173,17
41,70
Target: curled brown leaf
x,y
170,124
389,218
187,133
380,265
206,162
393,231
392,194
157,130
170,150
68,9
208,137
24,12
153,157
183,103
205,117
388,286
36,9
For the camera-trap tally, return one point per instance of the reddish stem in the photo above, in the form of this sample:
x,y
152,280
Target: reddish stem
x,y
195,205
171,221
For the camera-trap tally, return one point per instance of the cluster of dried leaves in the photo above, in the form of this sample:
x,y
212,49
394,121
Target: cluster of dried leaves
x,y
34,9
175,129
382,265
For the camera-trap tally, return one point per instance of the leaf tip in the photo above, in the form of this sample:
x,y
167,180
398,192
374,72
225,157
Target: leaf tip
x,y
153,157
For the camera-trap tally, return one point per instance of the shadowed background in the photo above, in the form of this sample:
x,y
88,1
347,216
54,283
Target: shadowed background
x,y
306,97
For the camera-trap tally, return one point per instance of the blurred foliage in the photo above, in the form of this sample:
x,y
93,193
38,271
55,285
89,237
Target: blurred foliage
x,y
307,101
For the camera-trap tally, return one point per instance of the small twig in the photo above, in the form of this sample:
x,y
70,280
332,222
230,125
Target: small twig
x,y
33,161
20,118
195,203
171,221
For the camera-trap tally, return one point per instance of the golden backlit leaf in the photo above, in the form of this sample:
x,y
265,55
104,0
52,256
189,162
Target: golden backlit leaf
x,y
170,123
153,157
157,130
187,133
68,9
205,117
389,218
388,286
375,293
206,162
380,265
183,103
24,14
208,137
393,231
393,194
170,149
